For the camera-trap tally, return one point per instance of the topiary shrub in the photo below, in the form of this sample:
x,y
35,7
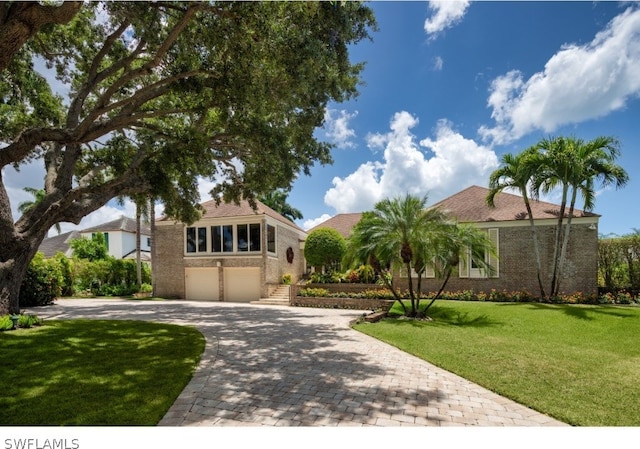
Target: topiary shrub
x,y
325,247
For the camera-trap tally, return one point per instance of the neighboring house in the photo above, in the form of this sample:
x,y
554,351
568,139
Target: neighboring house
x,y
58,244
119,235
508,227
232,253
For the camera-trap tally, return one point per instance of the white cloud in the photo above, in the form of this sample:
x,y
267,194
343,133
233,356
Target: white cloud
x,y
438,63
451,163
313,222
578,83
445,15
336,125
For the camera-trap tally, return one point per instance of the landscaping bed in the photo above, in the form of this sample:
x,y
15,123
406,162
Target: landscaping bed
x,y
342,303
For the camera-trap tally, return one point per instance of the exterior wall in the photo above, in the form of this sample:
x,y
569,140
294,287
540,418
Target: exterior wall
x,y
278,266
122,243
517,263
171,260
168,269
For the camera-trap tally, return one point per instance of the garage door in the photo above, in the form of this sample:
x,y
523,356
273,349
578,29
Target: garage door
x,y
202,284
241,284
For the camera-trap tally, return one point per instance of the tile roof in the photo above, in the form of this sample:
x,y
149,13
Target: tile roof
x,y
228,210
123,223
59,243
470,205
343,223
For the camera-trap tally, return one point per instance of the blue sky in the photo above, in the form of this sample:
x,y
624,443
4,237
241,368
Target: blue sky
x,y
449,87
452,86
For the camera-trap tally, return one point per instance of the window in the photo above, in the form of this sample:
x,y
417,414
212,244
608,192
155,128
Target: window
x,y
196,240
191,240
248,238
222,239
468,267
149,242
271,239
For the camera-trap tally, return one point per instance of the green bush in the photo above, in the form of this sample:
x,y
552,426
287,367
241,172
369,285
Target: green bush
x,y
325,247
108,277
287,279
314,292
42,283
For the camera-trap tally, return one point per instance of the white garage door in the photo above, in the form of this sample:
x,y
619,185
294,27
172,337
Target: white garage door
x,y
202,284
241,284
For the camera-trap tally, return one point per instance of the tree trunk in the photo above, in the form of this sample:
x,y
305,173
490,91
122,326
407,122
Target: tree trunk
x,y
558,241
565,242
444,284
14,262
152,220
138,259
536,246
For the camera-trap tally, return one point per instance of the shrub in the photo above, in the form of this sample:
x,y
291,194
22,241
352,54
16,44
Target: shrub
x,y
42,283
314,292
324,247
287,279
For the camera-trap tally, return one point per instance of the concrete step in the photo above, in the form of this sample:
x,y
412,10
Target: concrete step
x,y
271,302
279,297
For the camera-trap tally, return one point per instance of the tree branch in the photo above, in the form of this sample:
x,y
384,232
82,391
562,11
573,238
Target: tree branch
x,y
20,21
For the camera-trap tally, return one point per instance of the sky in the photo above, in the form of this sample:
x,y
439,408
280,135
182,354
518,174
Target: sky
x,y
451,86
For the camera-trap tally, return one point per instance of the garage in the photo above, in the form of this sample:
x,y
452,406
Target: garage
x,y
241,284
201,284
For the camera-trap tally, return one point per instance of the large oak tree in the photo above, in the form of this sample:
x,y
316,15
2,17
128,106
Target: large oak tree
x,y
164,93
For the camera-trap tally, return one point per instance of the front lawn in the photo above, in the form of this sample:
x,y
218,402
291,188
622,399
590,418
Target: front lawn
x,y
579,364
94,372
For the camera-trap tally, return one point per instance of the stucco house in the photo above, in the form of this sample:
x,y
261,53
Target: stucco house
x,y
508,227
119,235
232,253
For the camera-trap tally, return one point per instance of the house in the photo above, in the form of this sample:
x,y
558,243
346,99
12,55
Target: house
x,y
508,227
58,244
343,223
119,235
232,253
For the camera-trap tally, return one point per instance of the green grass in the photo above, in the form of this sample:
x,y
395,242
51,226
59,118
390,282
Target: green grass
x,y
579,364
92,372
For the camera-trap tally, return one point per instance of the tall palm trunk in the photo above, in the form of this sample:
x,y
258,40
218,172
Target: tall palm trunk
x,y
536,246
138,249
565,243
152,219
558,241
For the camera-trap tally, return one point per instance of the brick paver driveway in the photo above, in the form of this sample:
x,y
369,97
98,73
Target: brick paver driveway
x,y
285,366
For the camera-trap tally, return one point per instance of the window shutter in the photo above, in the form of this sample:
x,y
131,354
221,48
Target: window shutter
x,y
463,266
494,261
429,272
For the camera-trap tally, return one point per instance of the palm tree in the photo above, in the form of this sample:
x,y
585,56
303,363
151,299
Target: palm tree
x,y
277,200
518,172
576,166
396,234
38,197
454,243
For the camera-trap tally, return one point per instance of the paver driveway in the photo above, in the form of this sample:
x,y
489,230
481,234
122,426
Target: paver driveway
x,y
285,366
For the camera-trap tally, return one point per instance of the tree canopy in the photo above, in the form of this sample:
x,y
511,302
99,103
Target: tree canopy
x,y
162,94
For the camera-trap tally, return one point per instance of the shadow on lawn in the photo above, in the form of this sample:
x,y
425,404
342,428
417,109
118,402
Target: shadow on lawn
x,y
442,315
580,311
261,359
